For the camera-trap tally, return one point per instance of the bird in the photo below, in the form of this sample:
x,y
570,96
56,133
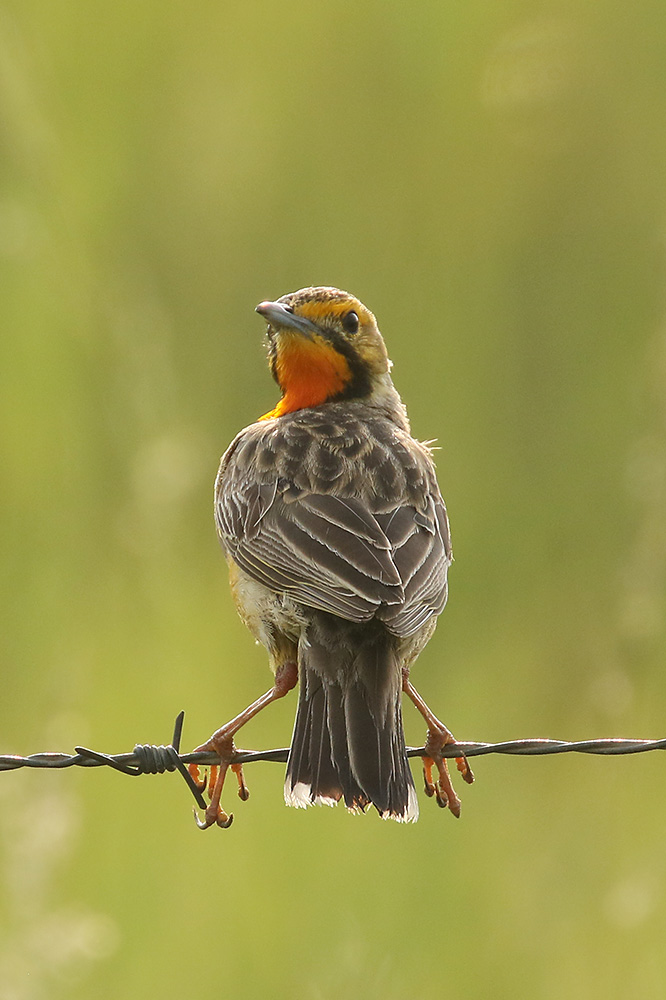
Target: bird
x,y
338,546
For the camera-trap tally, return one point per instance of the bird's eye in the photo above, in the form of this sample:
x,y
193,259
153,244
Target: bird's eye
x,y
350,322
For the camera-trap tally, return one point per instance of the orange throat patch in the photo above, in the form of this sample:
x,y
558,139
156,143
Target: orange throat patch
x,y
308,371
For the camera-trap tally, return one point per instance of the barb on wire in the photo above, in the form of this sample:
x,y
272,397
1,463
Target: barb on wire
x,y
149,759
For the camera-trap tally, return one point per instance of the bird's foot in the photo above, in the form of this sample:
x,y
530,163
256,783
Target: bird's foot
x,y
221,743
438,737
441,787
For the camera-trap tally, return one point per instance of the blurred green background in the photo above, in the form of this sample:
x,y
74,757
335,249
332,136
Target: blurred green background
x,y
490,180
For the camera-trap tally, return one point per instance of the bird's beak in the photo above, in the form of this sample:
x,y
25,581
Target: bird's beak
x,y
281,317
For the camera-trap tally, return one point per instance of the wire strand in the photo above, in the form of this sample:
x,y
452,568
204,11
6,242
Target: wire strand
x,y
150,759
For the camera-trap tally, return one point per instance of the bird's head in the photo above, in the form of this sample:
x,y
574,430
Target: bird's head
x,y
324,346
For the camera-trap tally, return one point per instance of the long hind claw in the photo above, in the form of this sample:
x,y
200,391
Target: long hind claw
x,y
213,818
215,815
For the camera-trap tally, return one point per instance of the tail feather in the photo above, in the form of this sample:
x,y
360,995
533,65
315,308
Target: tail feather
x,y
355,799
348,740
310,757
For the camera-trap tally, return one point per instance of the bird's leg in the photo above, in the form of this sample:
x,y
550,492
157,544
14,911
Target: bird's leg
x,y
222,743
438,737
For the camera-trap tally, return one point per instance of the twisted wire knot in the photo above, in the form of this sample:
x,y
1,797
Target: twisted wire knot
x,y
151,759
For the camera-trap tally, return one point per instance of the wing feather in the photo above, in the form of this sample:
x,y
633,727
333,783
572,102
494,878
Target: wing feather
x,y
338,554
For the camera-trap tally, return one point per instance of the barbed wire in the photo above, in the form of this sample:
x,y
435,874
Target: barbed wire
x,y
153,759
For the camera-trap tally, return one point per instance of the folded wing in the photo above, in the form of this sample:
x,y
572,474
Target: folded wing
x,y
338,555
